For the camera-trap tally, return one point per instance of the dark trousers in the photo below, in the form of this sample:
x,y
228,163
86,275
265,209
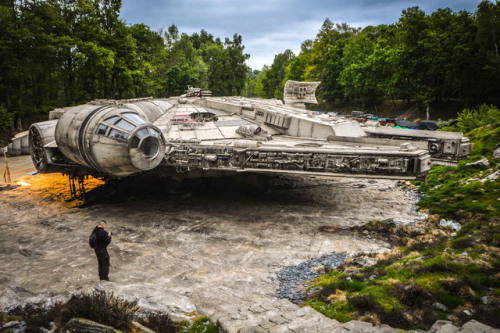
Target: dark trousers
x,y
103,261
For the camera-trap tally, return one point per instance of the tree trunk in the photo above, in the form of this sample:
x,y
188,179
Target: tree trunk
x,y
19,124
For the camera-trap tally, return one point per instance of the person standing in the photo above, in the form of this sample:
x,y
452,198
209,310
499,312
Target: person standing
x,y
103,238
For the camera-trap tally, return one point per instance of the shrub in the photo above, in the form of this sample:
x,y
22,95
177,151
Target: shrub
x,y
160,323
411,294
462,242
5,118
34,316
483,115
101,307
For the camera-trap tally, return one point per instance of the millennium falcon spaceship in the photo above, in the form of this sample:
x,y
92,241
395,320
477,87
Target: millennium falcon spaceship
x,y
200,135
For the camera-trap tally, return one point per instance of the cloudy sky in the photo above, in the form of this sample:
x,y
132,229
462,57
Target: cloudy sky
x,y
269,27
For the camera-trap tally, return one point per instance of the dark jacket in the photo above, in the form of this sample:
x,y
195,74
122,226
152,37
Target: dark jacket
x,y
102,238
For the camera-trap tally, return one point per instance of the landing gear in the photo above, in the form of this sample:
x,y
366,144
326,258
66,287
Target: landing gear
x,y
77,187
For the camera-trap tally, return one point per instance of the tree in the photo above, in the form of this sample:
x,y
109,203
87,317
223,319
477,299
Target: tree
x,y
488,37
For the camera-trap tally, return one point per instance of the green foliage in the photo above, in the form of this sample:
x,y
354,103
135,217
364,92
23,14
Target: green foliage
x,y
340,311
484,115
58,53
5,118
202,325
271,81
459,190
433,57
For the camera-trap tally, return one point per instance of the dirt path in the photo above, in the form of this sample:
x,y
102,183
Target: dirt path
x,y
205,248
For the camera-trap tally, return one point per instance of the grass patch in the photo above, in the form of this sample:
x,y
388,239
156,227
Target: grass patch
x,y
202,325
341,311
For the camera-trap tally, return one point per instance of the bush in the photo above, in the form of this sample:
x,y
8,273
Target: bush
x,y
101,307
484,115
5,118
34,316
160,323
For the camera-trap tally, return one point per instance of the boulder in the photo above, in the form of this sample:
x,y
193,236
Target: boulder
x,y
491,177
89,326
359,326
473,326
496,153
450,223
443,326
481,163
364,261
141,327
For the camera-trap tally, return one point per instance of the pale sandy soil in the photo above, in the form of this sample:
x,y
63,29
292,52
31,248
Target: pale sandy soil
x,y
205,248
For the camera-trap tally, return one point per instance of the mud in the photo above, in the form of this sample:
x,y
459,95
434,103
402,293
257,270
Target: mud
x,y
209,246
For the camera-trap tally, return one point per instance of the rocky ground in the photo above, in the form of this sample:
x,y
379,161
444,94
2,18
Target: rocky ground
x,y
210,247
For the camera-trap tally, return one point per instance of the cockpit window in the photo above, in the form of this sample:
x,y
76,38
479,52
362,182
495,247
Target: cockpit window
x,y
135,142
117,134
135,118
153,132
142,133
112,120
125,125
101,129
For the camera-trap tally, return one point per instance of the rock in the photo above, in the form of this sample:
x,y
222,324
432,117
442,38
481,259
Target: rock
x,y
12,325
142,327
6,187
292,277
252,329
484,299
385,329
440,306
85,325
364,261
491,177
52,328
473,326
481,163
496,153
450,223
359,326
443,326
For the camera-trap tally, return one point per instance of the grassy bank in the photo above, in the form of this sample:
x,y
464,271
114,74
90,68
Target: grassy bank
x,y
433,272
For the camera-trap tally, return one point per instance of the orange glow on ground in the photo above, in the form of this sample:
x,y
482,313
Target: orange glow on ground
x,y
55,186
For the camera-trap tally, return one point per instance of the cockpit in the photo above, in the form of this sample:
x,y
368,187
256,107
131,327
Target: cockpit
x,y
133,128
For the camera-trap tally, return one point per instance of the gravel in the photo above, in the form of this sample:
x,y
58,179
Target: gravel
x,y
293,280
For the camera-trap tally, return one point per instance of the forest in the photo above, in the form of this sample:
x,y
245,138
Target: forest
x,y
437,58
56,53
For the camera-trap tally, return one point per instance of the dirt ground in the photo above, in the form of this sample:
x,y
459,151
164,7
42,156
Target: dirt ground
x,y
209,246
